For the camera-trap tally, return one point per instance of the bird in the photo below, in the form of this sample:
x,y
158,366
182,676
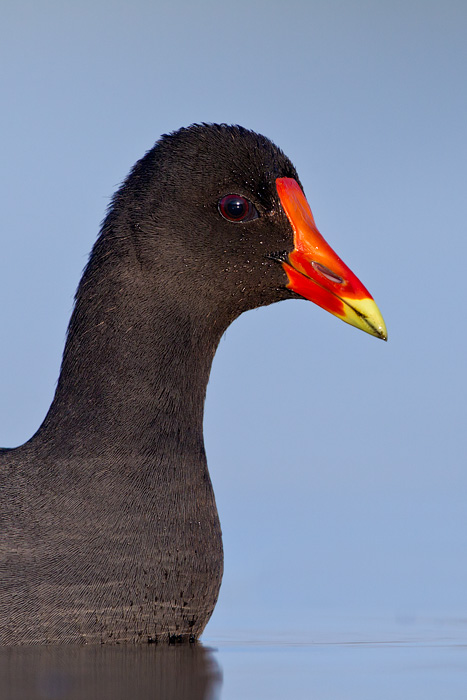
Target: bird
x,y
109,527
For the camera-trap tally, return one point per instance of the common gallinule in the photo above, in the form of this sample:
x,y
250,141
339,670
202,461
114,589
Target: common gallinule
x,y
109,528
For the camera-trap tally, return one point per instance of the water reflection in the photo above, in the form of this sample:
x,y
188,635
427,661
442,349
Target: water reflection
x,y
109,673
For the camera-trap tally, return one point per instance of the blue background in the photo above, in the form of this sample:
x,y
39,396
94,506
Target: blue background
x,y
338,461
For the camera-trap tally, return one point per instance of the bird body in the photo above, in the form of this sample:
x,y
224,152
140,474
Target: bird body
x,y
108,522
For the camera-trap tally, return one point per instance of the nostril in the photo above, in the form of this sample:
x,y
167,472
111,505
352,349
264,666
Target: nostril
x,y
326,272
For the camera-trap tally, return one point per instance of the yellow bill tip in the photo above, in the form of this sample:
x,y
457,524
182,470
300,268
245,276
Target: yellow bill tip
x,y
365,315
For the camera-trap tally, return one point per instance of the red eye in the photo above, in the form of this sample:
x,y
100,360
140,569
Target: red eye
x,y
234,207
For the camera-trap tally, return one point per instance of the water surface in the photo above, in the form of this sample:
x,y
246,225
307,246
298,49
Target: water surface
x,y
402,659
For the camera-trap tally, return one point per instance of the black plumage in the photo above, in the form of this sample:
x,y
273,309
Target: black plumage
x,y
109,528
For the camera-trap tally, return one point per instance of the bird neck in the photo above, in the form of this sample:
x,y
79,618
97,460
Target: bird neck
x,y
136,363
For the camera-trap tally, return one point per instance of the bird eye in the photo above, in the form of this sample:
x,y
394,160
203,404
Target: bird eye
x,y
234,207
